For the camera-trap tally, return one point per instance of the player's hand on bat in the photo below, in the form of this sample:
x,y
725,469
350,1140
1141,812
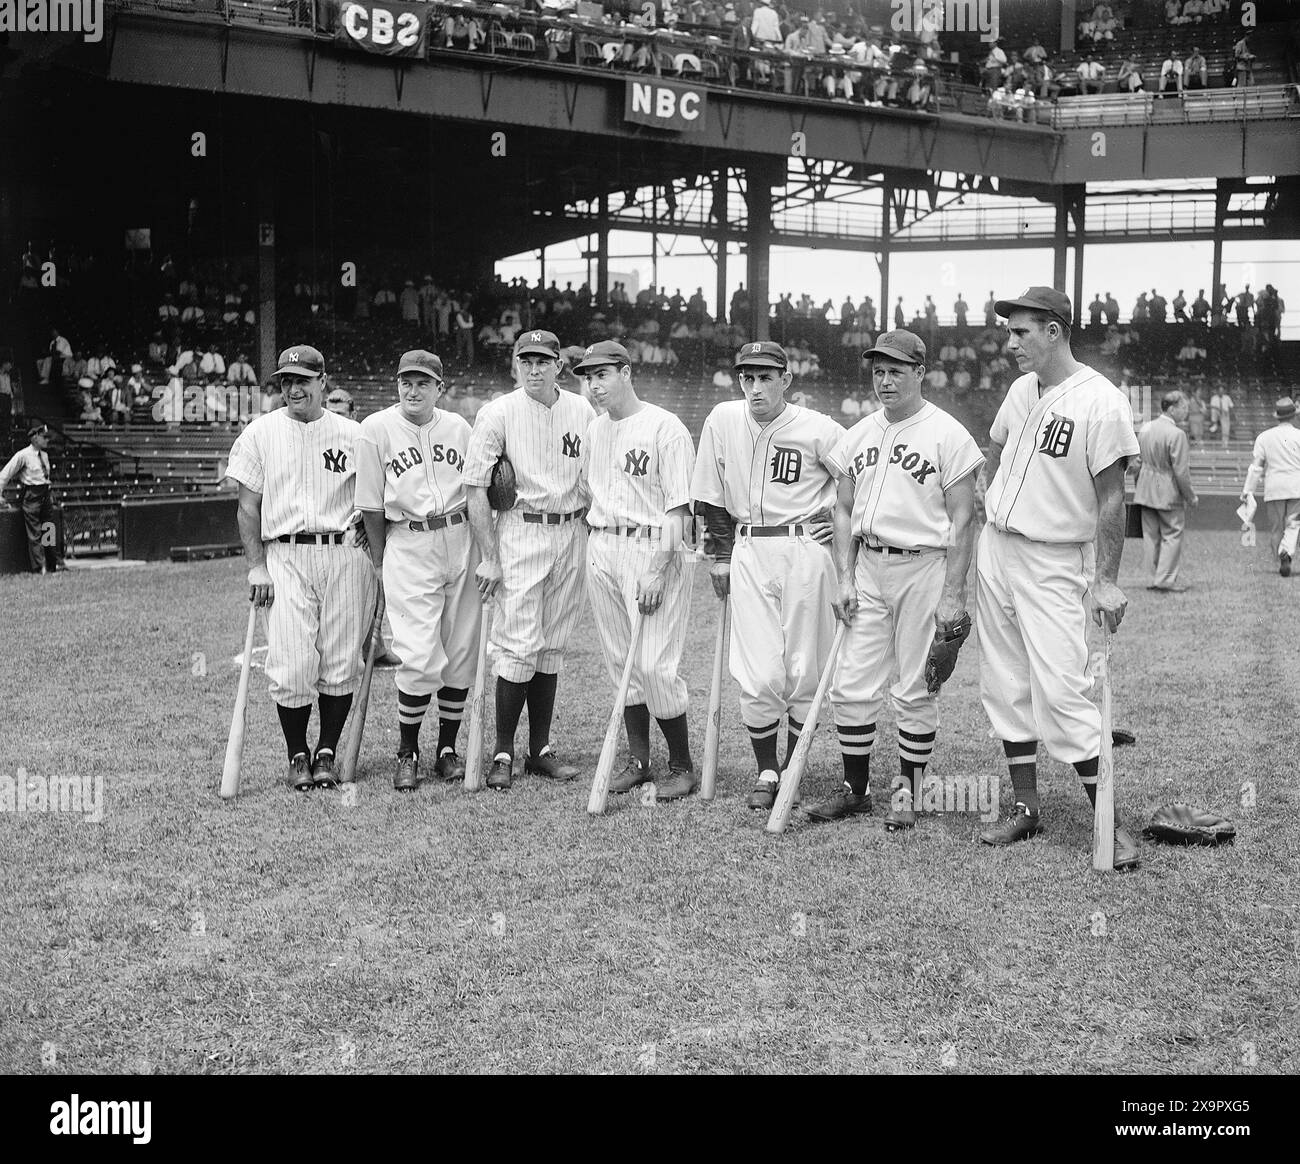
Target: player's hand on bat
x,y
650,591
720,576
1109,602
846,602
261,590
488,575
356,532
821,528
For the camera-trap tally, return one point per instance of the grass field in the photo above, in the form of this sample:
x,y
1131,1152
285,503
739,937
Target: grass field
x,y
442,931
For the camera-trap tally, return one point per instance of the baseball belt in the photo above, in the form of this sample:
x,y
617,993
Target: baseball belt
x,y
440,522
772,531
889,549
552,518
628,531
312,539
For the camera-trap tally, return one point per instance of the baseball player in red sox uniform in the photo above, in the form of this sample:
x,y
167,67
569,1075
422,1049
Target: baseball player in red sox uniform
x,y
636,463
904,536
412,498
764,470
533,559
296,473
1060,444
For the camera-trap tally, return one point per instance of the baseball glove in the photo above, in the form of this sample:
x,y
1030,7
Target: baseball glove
x,y
501,490
1185,824
949,635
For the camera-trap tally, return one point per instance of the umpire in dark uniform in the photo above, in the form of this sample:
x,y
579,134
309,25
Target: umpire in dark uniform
x,y
30,467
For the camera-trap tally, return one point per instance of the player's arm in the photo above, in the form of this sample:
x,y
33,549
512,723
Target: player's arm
x,y
1108,599
722,536
959,501
992,459
485,537
650,586
261,590
845,550
1255,473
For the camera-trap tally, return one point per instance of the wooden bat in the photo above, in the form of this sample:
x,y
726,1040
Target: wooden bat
x,y
351,749
794,770
477,702
709,773
605,766
235,744
1103,820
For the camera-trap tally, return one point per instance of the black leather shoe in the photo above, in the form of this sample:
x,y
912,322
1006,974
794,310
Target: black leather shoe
x,y
679,782
407,776
300,772
763,795
1284,564
844,803
899,818
322,770
1126,850
499,776
635,773
449,766
548,766
1019,826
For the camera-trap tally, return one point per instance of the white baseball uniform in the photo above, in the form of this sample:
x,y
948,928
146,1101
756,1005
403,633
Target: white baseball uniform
x,y
324,593
412,473
542,541
1035,555
900,473
772,478
636,470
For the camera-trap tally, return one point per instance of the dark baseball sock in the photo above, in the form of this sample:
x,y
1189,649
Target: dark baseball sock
x,y
293,722
679,744
1087,770
451,710
333,714
911,775
856,741
636,719
541,708
793,730
763,741
510,699
1022,761
410,715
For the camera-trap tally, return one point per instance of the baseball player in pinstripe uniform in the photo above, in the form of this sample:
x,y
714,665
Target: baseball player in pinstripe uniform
x,y
636,462
533,557
904,534
296,472
767,465
412,498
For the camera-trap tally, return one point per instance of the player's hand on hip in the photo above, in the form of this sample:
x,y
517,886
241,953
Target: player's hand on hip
x,y
821,528
720,576
1108,602
846,602
489,578
649,592
261,590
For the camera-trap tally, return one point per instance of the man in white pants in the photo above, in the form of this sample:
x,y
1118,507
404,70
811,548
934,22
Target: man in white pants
x,y
636,462
1277,460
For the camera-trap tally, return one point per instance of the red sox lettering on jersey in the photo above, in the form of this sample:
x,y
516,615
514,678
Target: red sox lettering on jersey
x,y
421,465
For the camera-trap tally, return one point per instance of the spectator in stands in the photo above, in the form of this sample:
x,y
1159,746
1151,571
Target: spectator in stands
x,y
157,351
241,371
50,369
722,379
1221,407
1035,54
211,362
966,353
1171,73
850,409
465,333
1130,76
1196,70
936,378
1174,12
1100,25
167,309
991,311
118,400
410,304
961,380
1095,310
1244,302
994,63
1244,60
193,315
1141,309
1092,74
385,302
1194,11
427,295
1022,104
959,310
1180,307
90,413
1112,309
138,387
1196,410
765,26
1200,307
1191,353
1158,307
1268,316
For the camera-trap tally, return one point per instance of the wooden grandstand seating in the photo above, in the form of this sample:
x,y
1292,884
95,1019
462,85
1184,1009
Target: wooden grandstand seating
x,y
1103,109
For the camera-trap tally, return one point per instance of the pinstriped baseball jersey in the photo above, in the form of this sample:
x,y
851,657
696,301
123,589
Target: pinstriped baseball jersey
x,y
773,474
637,468
543,443
411,471
900,472
305,472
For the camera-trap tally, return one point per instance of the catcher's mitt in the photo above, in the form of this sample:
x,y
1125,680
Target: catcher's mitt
x,y
948,637
1185,824
501,490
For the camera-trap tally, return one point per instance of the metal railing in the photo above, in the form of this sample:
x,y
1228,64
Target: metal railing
x,y
91,528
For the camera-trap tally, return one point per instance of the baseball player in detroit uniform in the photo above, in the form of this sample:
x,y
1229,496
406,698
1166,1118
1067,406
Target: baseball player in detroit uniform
x,y
764,471
1060,443
412,498
296,472
533,557
904,535
636,463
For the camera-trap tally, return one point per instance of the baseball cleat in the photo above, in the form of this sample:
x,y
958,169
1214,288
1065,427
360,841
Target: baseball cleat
x,y
844,803
1019,826
1284,564
1126,850
547,765
499,776
407,776
897,819
635,773
322,770
679,782
764,792
300,772
449,766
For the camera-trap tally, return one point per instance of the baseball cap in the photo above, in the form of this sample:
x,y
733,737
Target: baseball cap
x,y
898,345
301,360
85,382
1055,303
420,361
541,343
1285,409
36,430
136,369
763,354
600,354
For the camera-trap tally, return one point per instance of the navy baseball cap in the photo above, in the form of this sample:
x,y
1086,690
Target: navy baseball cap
x,y
598,355
1055,303
763,354
300,360
541,343
420,361
898,345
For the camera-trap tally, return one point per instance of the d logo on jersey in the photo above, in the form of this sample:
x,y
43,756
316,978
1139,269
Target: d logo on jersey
x,y
1057,436
637,463
336,460
572,445
787,465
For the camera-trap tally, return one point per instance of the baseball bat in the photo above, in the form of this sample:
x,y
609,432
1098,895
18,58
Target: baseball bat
x,y
477,707
709,772
605,766
235,744
794,770
351,748
1103,820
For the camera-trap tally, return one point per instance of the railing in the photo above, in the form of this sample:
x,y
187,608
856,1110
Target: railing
x,y
1197,106
91,528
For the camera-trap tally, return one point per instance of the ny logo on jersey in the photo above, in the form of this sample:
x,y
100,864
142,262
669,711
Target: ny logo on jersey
x,y
637,462
787,465
336,460
1057,436
572,445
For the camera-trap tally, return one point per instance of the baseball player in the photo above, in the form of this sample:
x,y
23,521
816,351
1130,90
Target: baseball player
x,y
904,536
30,467
533,559
1277,460
1059,444
763,472
636,464
296,473
412,499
